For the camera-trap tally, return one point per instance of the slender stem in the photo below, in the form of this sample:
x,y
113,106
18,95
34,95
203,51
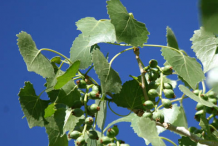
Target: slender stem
x,y
88,70
211,116
118,44
203,86
213,127
183,97
136,51
119,54
161,46
44,49
117,113
96,117
61,65
85,104
42,92
168,140
84,130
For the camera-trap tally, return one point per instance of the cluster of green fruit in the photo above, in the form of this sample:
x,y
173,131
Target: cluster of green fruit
x,y
153,71
203,110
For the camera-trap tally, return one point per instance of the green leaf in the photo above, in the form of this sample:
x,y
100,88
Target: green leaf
x,y
81,50
53,95
205,44
185,83
68,75
65,120
170,116
171,39
54,136
148,130
97,30
131,96
128,29
186,67
187,92
186,141
102,113
68,98
50,110
33,58
33,107
51,82
209,15
110,80
181,119
56,59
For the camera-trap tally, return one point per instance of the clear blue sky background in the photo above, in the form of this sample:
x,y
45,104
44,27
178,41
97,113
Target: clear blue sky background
x,y
52,25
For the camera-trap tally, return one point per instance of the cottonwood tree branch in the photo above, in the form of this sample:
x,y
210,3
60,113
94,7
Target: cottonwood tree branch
x,y
136,51
185,132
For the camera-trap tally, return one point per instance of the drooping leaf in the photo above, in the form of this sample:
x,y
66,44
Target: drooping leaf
x,y
68,75
187,92
128,29
102,113
131,96
186,67
81,50
209,15
97,30
68,99
50,110
65,120
33,58
148,130
110,80
54,135
171,38
205,46
186,141
33,107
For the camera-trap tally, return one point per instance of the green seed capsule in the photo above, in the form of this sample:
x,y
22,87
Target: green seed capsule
x,y
115,128
153,63
81,84
94,95
196,92
77,112
77,104
192,129
105,140
211,94
167,86
95,88
203,96
152,93
199,106
74,134
169,93
89,121
167,103
153,85
94,108
212,100
93,135
209,110
158,116
148,104
80,141
167,70
152,76
111,133
198,115
78,128
147,115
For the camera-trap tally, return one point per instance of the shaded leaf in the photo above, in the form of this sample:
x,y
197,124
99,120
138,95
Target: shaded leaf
x,y
97,30
102,113
68,75
110,80
209,15
131,96
205,44
50,110
53,95
186,141
187,92
128,29
148,130
33,58
171,38
54,136
186,67
33,107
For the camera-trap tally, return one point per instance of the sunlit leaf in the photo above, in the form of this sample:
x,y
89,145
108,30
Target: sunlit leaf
x,y
171,38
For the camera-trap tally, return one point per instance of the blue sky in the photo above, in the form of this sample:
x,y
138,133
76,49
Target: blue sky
x,y
52,25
